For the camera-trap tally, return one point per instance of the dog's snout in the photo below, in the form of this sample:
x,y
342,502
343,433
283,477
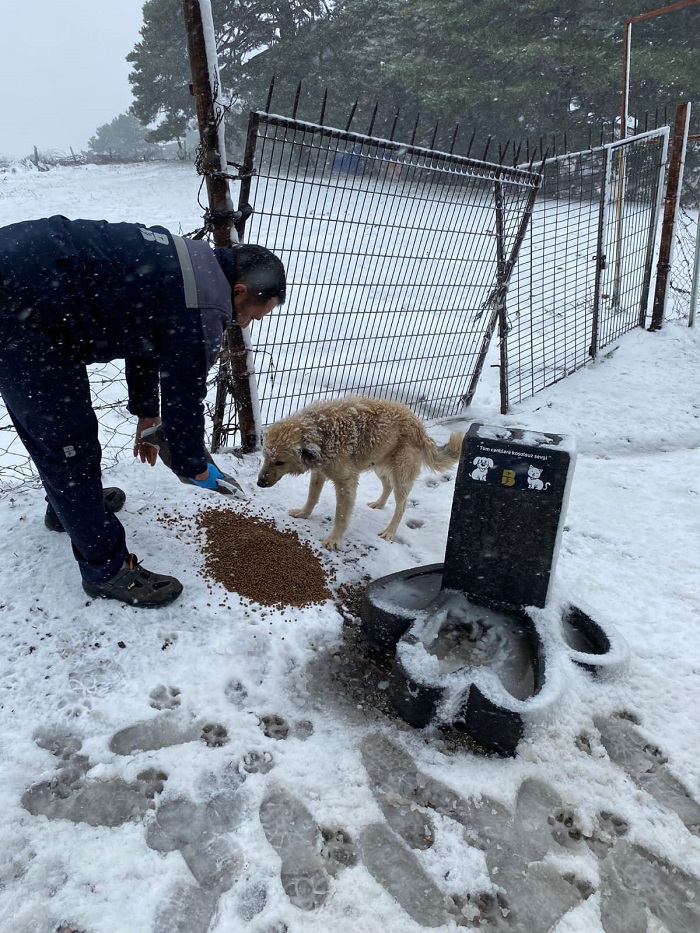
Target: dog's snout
x,y
262,481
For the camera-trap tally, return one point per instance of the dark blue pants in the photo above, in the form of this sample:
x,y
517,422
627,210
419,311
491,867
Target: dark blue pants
x,y
47,395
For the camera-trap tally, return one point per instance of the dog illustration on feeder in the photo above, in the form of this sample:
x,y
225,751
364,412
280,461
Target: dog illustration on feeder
x,y
483,465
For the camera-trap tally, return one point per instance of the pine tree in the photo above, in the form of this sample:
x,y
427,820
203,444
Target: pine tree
x,y
536,67
244,30
124,139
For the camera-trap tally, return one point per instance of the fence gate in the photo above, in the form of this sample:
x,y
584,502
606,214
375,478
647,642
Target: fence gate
x,y
397,258
584,271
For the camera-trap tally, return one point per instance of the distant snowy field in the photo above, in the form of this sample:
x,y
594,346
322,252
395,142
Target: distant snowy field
x,y
103,707
151,193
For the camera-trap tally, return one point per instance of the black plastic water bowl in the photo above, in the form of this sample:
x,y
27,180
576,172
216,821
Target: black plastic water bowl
x,y
485,670
600,651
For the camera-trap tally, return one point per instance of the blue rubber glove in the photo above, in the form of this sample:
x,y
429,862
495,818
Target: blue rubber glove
x,y
210,482
217,481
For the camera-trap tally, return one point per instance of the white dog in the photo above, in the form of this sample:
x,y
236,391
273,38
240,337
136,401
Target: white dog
x,y
340,439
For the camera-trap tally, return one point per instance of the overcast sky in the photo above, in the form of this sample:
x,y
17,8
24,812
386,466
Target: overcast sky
x,y
62,70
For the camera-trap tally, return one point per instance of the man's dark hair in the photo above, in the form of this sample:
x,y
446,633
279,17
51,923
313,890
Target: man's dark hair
x,y
260,271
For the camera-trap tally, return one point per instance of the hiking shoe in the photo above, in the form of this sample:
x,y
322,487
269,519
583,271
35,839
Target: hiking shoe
x,y
113,497
137,586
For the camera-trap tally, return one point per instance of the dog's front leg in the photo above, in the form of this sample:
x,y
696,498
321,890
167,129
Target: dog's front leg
x,y
345,494
316,481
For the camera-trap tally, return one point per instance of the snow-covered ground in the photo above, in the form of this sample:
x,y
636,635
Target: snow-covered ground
x,y
208,766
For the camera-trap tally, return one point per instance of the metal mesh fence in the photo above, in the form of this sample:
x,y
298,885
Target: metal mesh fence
x,y
550,300
392,254
681,280
584,270
116,428
631,208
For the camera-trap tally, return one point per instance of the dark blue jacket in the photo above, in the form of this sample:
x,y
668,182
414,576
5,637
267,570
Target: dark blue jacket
x,y
104,291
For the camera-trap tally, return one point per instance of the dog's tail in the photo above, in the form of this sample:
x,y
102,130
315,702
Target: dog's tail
x,y
441,458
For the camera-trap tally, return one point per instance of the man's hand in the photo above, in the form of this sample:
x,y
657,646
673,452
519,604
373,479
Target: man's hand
x,y
151,444
142,448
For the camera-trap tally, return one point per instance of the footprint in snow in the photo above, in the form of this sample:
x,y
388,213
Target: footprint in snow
x,y
70,795
164,731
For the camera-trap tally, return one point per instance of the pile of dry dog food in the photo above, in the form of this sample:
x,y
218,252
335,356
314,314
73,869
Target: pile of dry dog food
x,y
252,557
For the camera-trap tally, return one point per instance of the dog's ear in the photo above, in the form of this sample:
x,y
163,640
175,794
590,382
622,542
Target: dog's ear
x,y
490,463
310,454
476,460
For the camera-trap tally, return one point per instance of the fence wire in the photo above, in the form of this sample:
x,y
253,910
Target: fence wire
x,y
392,254
685,244
584,271
681,280
116,428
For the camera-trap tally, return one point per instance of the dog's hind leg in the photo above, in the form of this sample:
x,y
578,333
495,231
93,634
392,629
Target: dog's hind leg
x,y
316,481
401,497
345,495
403,476
386,492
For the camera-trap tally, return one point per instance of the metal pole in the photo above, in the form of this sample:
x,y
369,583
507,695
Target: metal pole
x,y
696,275
626,55
205,88
600,256
501,286
654,228
220,216
627,51
496,301
673,193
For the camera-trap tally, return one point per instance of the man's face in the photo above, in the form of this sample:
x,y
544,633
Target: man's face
x,y
248,307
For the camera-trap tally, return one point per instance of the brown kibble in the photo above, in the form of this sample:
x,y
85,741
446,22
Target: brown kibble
x,y
250,556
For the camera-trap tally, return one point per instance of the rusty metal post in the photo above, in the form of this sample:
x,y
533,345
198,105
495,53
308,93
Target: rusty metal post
x,y
627,52
671,200
220,216
213,159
